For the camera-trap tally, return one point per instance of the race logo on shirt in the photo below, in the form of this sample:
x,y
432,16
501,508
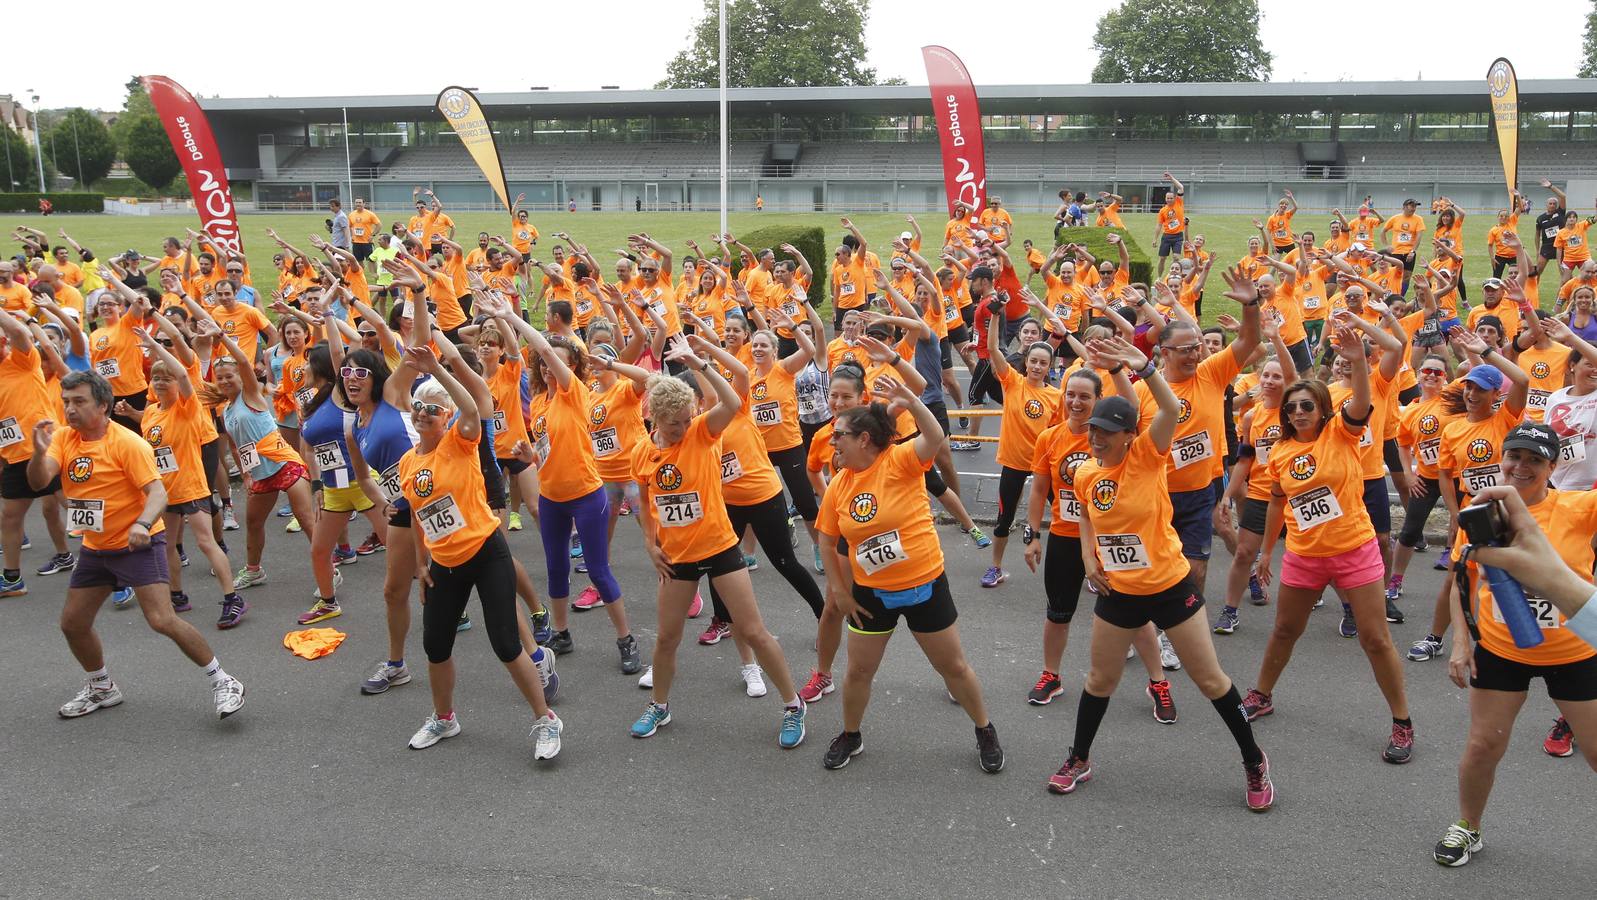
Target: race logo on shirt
x,y
1302,466
1069,465
1480,450
1272,433
1541,370
1429,425
863,507
597,414
538,428
1186,412
1033,409
760,391
154,437
1103,494
102,342
424,483
668,478
81,469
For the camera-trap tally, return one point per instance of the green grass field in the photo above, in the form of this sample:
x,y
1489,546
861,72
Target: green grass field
x,y
1226,235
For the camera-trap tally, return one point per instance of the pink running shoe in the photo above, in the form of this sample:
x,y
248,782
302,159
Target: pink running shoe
x,y
716,630
696,607
588,599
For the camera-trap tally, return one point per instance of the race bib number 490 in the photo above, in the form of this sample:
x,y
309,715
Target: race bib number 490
x,y
768,414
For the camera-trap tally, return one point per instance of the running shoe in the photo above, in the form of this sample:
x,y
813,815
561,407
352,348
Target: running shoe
x,y
1164,708
464,624
980,537
372,544
541,632
792,731
646,680
1427,647
631,657
232,470
560,642
345,556
715,631
1560,741
122,598
1400,749
229,521
820,564
61,562
845,747
792,531
320,612
964,446
546,736
994,577
1167,654
819,685
653,719
626,508
753,679
988,751
547,676
182,557
1444,561
434,730
1394,588
27,542
581,567
180,602
293,526
1256,704
1256,594
588,599
1074,772
10,588
1457,845
1048,687
233,609
515,521
1227,623
1260,794
285,511
249,578
1393,614
228,695
576,547
696,607
1348,628
385,677
91,698
751,562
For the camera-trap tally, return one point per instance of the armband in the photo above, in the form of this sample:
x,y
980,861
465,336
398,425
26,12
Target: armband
x,y
1147,371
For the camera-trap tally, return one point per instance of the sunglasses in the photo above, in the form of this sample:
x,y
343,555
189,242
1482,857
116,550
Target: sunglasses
x,y
1184,348
842,434
1296,406
1425,371
426,409
355,372
647,269
367,334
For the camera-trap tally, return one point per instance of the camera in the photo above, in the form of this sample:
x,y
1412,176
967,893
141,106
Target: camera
x,y
1484,524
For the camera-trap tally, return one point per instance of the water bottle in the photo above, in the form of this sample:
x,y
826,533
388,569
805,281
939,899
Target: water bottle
x,y
1510,600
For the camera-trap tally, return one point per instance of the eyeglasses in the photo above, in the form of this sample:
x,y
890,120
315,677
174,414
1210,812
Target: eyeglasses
x,y
1184,348
355,372
1296,406
842,434
426,409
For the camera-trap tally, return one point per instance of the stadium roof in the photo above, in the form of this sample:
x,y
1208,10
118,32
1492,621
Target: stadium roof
x,y
1127,99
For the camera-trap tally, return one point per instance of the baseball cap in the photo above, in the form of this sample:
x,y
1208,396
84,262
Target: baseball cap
x,y
1113,414
1485,377
907,235
879,330
981,272
1533,436
1411,202
899,262
1495,284
1494,321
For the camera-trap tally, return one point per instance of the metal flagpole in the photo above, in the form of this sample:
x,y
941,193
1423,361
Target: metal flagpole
x,y
349,174
723,115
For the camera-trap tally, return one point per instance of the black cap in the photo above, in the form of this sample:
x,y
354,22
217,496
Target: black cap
x,y
1533,436
1494,321
981,272
1113,414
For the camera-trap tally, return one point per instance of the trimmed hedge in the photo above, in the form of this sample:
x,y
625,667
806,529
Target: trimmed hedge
x,y
1093,240
809,240
63,202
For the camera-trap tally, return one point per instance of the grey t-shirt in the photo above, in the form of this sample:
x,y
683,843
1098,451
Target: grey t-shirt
x,y
340,237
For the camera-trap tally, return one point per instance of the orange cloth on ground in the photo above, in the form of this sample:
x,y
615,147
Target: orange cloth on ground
x,y
314,643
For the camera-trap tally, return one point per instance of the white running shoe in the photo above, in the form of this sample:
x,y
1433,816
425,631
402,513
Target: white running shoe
x,y
753,680
1167,654
434,730
248,579
646,680
91,698
546,736
229,696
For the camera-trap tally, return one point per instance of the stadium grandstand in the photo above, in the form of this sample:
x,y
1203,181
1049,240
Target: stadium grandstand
x,y
863,148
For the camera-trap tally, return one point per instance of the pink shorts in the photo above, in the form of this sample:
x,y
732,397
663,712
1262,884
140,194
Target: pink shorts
x,y
1357,567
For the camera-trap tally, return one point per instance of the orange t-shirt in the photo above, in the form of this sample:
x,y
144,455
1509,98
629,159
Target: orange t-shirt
x,y
448,499
363,226
615,426
1420,429
1288,309
1471,451
287,399
747,476
1508,312
522,234
1568,518
560,433
1572,240
1406,231
1279,228
1137,546
1067,301
1110,216
104,483
839,350
510,426
176,436
1197,451
681,487
1027,411
1263,432
1173,215
1373,464
881,514
25,400
1323,483
819,456
1494,239
118,356
1546,371
850,284
1059,453
775,407
244,324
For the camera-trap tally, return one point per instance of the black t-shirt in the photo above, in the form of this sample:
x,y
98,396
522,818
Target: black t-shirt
x,y
136,280
1547,225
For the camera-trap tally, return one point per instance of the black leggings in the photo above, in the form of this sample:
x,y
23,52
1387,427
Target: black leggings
x,y
211,460
1499,264
1062,575
769,520
789,464
136,400
807,434
493,573
1010,483
1415,511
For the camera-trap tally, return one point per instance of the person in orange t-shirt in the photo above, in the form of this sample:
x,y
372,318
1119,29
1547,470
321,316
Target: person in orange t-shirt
x,y
25,401
1172,223
1134,561
1108,208
114,350
1404,231
773,393
459,546
364,226
1279,225
116,497
1318,491
689,536
1030,405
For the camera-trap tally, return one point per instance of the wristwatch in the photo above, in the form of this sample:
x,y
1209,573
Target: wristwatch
x,y
1029,535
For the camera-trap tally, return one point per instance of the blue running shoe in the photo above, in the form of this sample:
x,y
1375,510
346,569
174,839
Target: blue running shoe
x,y
1256,594
653,718
9,588
541,631
576,548
1348,628
464,624
122,598
285,512
1227,623
792,733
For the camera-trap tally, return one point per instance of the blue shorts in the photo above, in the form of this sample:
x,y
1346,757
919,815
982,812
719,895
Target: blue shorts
x,y
1171,243
124,568
1193,518
1377,504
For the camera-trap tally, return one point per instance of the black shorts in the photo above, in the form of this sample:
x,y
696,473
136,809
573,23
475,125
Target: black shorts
x,y
1166,609
361,252
1548,252
940,410
1575,682
932,615
1379,506
125,568
400,518
724,563
189,508
945,351
1171,243
1254,512
513,466
786,346
1408,261
984,384
14,483
838,313
959,334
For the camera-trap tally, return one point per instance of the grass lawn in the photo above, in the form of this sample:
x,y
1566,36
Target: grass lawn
x,y
1226,235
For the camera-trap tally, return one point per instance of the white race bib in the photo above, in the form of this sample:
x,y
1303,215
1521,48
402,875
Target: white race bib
x,y
1311,302
304,396
1261,451
108,368
248,457
1364,437
1430,451
1550,232
165,461
1315,507
731,468
845,288
877,553
389,484
1122,552
540,450
768,413
1192,449
9,432
329,456
86,515
1068,508
604,442
1572,449
1547,617
1478,477
678,510
1538,399
440,518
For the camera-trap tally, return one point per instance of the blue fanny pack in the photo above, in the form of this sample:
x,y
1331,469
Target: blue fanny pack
x,y
909,597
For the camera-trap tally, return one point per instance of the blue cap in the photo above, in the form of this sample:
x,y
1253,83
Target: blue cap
x,y
1486,377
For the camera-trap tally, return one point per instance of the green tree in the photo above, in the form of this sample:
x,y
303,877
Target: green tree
x,y
1166,41
1588,46
142,139
777,43
21,172
83,146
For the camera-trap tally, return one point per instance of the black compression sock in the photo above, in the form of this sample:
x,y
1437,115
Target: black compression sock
x,y
1089,715
1229,707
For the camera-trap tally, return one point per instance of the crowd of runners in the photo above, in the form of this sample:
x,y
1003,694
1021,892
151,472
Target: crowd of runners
x,y
382,391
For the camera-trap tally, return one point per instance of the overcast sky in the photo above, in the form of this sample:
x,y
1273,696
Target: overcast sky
x,y
316,48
